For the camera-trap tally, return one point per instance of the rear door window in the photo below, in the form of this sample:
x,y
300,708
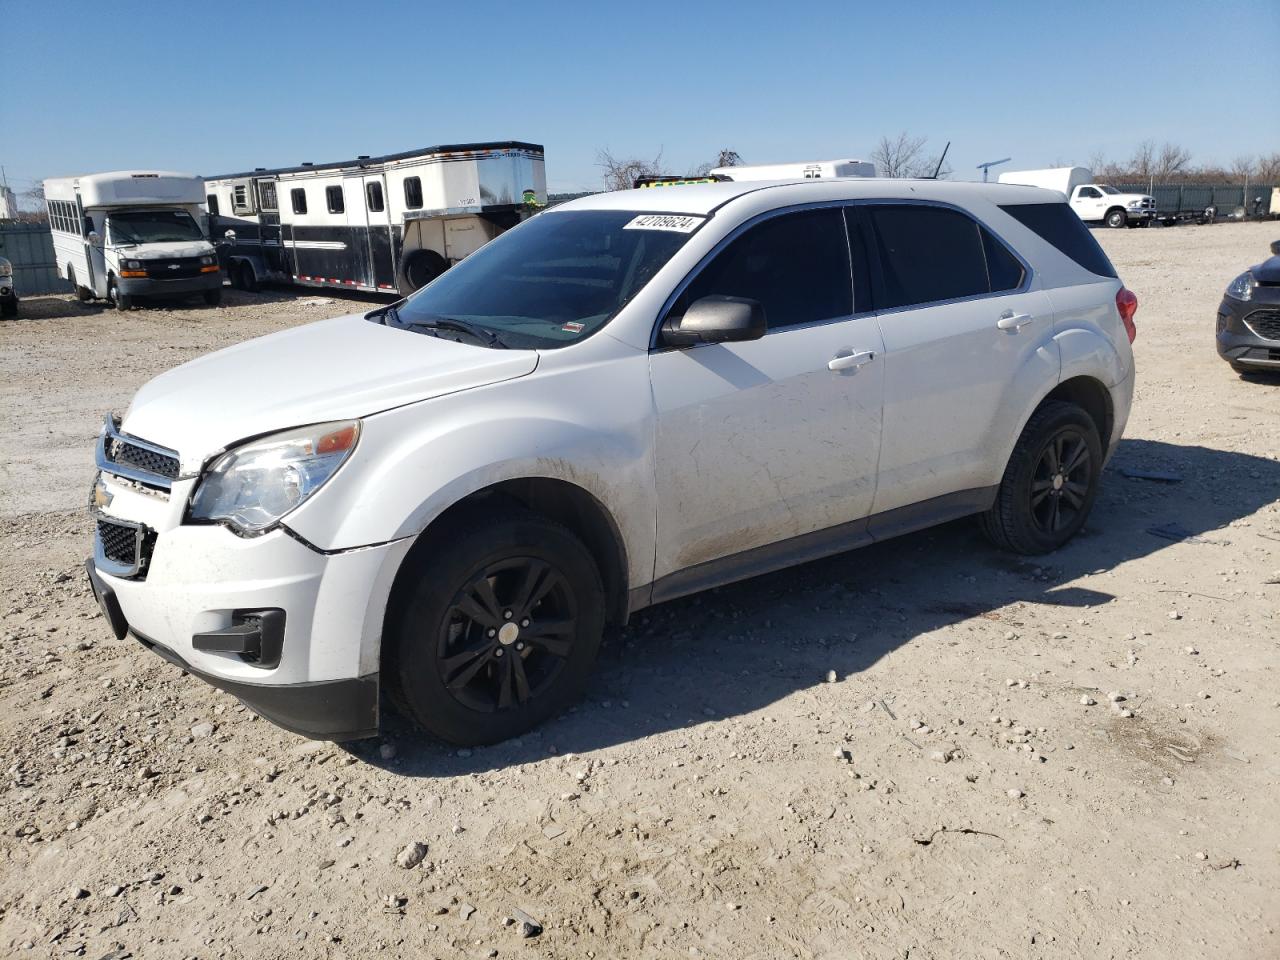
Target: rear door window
x,y
1058,224
796,265
1004,270
927,254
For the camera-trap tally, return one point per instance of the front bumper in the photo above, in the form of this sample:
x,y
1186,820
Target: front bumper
x,y
1237,342
200,584
324,710
150,287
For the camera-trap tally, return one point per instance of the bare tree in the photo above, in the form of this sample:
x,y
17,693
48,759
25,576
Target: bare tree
x,y
900,156
904,156
725,158
1142,163
1170,161
1243,167
1269,168
622,173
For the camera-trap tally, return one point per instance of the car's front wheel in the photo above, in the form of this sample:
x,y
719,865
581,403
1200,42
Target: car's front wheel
x,y
495,627
1116,219
1050,483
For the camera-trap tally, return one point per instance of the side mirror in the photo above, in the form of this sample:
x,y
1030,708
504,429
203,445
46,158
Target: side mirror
x,y
230,235
95,238
1275,247
716,319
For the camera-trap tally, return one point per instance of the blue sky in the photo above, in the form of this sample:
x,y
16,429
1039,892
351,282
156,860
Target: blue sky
x,y
223,86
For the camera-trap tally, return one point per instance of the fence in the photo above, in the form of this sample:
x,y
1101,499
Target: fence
x,y
1172,198
29,247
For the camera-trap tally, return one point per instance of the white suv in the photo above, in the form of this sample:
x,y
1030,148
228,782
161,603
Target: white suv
x,y
629,397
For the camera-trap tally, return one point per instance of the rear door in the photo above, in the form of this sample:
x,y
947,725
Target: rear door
x,y
960,322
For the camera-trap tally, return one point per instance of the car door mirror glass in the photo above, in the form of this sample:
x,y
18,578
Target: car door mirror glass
x,y
95,238
716,319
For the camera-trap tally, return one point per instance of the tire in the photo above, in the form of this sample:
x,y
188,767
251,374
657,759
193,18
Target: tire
x,y
421,267
1116,218
8,309
212,297
121,301
83,294
454,662
1038,508
246,279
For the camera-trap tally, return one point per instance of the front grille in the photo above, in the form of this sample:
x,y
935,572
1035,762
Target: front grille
x,y
126,547
119,543
127,454
172,268
1265,323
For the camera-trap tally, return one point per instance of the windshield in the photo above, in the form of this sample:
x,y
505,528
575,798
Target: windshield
x,y
1105,189
152,226
549,282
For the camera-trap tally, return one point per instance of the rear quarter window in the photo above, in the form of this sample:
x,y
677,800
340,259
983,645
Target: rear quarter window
x,y
1057,224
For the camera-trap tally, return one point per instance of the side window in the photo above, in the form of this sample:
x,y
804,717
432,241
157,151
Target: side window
x,y
267,195
413,193
796,265
1057,224
1003,269
298,196
926,254
241,199
212,200
373,197
1089,193
334,199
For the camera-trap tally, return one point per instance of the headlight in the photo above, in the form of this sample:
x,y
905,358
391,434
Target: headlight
x,y
1241,288
133,264
206,260
253,486
1134,203
6,268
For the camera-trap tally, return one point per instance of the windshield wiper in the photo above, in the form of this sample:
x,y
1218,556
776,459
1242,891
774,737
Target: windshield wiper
x,y
475,331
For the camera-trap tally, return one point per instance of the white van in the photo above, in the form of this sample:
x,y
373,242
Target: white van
x,y
130,234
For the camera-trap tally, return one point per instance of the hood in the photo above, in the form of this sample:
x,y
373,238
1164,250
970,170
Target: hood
x,y
1127,197
161,251
336,369
1268,271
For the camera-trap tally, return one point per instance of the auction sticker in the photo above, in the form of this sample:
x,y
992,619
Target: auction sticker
x,y
672,223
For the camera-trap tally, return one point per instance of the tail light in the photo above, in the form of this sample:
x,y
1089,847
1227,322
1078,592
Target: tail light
x,y
1127,304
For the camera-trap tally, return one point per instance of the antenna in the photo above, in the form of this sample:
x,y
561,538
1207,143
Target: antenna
x,y
984,167
938,169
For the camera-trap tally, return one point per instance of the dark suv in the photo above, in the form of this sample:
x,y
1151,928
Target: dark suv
x,y
1249,318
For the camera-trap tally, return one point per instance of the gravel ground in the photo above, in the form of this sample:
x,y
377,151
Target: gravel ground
x,y
1053,758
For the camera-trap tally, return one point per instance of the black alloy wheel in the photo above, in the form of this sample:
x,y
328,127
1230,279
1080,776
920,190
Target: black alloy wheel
x,y
1061,481
1050,482
508,635
494,624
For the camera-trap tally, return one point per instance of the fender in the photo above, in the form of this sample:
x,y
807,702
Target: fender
x,y
413,463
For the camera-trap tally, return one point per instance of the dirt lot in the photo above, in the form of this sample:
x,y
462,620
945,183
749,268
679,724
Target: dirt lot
x,y
957,793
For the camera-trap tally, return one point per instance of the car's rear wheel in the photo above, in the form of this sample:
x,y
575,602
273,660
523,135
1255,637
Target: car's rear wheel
x,y
494,628
1050,483
83,294
246,279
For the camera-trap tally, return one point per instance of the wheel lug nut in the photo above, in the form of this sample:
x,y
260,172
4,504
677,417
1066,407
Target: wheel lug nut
x,y
519,646
498,652
492,632
524,622
506,614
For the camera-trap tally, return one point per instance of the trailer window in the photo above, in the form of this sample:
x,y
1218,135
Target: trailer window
x,y
267,195
373,194
241,201
413,193
212,200
334,199
299,197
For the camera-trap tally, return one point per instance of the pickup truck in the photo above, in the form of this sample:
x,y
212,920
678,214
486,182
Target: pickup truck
x,y
1092,202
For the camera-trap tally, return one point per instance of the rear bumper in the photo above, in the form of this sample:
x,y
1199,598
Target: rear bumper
x,y
149,287
324,710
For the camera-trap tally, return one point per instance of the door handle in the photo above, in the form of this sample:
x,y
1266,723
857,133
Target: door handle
x,y
1013,321
851,361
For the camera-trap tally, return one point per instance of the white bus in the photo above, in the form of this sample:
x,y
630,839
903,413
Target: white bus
x,y
386,224
132,233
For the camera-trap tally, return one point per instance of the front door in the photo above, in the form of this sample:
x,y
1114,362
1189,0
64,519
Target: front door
x,y
762,442
959,324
